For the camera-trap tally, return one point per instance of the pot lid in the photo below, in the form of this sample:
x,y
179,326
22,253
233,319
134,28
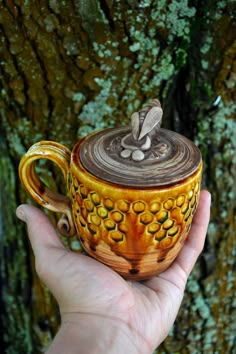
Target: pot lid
x,y
142,156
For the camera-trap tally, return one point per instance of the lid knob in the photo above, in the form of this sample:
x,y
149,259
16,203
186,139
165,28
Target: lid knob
x,y
145,124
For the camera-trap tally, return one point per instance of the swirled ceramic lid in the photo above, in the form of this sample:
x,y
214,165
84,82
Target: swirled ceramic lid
x,y
142,156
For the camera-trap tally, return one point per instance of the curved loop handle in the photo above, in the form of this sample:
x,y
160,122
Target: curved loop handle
x,y
60,155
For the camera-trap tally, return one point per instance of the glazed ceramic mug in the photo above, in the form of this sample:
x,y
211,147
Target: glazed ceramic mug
x,y
132,192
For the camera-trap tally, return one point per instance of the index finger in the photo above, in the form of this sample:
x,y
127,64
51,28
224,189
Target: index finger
x,y
194,244
41,232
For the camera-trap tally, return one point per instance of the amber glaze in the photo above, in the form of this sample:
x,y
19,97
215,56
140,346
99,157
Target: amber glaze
x,y
133,192
138,233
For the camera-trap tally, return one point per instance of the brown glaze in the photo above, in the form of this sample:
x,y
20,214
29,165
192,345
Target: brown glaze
x,y
100,155
143,155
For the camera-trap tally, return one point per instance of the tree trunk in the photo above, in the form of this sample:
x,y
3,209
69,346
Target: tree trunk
x,y
71,67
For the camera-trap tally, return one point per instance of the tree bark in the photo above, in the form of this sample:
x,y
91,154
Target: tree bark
x,y
71,67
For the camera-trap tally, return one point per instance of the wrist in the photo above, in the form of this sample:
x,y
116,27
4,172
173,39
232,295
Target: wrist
x,y
96,334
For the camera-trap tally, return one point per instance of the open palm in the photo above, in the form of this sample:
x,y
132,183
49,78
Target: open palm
x,y
84,286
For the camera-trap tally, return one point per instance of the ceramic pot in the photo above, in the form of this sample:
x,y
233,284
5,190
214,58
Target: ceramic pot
x,y
132,192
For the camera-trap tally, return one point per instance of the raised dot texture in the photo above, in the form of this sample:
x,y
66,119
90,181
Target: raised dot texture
x,y
146,218
180,200
109,224
168,224
155,207
108,203
89,205
153,228
102,212
95,220
139,207
162,216
95,198
169,204
123,205
83,191
117,216
116,236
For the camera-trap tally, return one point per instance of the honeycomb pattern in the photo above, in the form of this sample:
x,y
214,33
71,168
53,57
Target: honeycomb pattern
x,y
158,223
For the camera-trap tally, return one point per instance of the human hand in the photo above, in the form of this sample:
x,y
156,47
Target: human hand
x,y
100,311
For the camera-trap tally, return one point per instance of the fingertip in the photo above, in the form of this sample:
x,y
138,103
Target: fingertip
x,y
202,215
194,244
206,196
41,232
26,213
20,213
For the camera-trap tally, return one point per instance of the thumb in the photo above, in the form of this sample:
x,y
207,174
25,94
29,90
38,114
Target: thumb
x,y
42,234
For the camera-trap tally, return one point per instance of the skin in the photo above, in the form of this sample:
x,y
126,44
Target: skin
x,y
101,311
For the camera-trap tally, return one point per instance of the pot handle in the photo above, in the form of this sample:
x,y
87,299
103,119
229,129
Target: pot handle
x,y
60,155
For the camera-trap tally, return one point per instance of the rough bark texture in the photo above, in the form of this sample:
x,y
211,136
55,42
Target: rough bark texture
x,y
71,67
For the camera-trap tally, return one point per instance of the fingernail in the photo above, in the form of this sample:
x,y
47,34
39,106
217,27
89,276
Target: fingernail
x,y
20,213
209,197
